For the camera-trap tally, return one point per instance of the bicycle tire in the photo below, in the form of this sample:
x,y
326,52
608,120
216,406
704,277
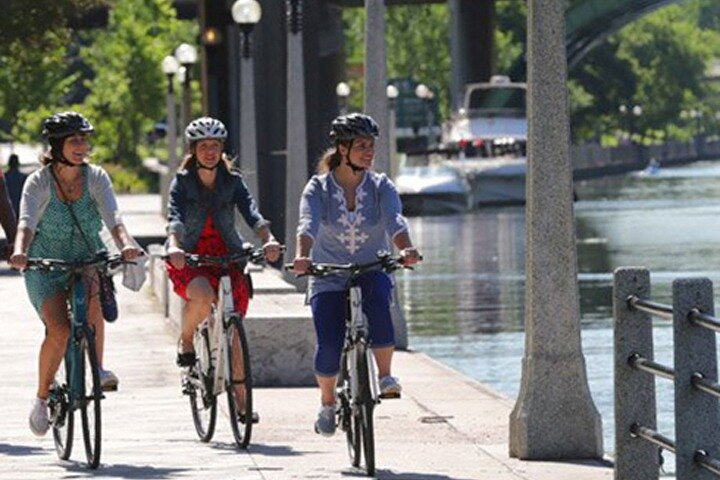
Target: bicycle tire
x,y
346,418
364,406
242,430
203,403
61,415
90,408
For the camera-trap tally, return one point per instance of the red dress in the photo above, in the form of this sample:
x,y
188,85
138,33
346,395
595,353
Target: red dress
x,y
211,243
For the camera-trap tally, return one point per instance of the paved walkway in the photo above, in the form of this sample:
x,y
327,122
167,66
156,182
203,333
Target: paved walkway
x,y
445,427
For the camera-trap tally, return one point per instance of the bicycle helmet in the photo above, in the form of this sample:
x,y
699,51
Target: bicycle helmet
x,y
64,124
354,125
205,128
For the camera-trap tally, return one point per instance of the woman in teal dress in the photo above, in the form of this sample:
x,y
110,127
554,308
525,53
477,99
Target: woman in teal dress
x,y
66,183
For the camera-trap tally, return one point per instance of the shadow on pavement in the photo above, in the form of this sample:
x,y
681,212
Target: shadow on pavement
x,y
258,449
80,470
19,450
388,475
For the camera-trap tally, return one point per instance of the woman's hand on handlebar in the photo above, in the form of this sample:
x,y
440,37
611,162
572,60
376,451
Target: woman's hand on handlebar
x,y
130,253
272,250
18,260
301,265
410,256
176,256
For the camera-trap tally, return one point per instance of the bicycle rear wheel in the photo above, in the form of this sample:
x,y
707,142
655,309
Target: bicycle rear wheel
x,y
62,416
198,385
363,408
90,409
346,414
239,382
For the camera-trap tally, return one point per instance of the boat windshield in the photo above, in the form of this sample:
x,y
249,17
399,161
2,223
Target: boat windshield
x,y
497,100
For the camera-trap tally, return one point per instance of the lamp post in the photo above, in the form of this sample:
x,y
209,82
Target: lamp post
x,y
392,95
170,67
426,95
342,90
296,160
247,13
186,54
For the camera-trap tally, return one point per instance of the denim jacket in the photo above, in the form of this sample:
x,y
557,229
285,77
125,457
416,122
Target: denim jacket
x,y
189,204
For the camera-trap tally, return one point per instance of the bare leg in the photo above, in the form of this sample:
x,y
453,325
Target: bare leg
x,y
327,389
200,298
54,311
383,357
95,316
237,368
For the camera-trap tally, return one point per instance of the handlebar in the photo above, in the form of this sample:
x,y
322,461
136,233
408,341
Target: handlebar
x,y
387,262
103,260
252,254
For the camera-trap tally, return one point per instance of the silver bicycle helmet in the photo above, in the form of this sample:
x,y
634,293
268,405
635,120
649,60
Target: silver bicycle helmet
x,y
205,128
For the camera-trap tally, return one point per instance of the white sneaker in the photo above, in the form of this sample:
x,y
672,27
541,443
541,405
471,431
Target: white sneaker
x,y
39,422
390,387
108,380
325,423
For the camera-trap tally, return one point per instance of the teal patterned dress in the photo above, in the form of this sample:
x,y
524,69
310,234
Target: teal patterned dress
x,y
57,237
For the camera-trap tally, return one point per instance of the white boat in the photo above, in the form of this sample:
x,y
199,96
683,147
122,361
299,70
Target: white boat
x,y
433,189
488,136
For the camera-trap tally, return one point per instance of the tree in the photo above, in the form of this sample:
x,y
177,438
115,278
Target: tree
x,y
127,91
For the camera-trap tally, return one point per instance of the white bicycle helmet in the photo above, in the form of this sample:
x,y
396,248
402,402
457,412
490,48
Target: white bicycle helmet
x,y
205,128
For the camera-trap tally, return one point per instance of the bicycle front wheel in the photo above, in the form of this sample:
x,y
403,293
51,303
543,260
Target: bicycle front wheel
x,y
346,413
90,410
364,406
199,386
239,382
61,415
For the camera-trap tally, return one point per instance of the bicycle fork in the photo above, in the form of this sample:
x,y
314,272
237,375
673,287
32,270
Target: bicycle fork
x,y
359,335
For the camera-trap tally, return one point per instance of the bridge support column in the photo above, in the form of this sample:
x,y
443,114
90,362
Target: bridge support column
x,y
471,44
554,416
376,102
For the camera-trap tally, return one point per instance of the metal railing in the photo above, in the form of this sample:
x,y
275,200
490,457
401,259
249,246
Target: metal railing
x,y
694,376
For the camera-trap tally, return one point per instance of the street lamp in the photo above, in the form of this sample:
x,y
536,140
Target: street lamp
x,y
392,95
426,95
170,67
247,13
342,90
186,54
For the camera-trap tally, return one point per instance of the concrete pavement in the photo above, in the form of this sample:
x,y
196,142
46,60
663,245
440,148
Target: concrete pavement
x,y
446,426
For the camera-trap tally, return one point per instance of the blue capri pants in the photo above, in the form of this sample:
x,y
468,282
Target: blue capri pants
x,y
329,312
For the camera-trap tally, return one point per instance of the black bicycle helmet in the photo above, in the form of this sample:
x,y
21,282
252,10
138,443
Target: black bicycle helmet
x,y
205,128
64,124
354,125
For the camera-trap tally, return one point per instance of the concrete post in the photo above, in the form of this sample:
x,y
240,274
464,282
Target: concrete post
x,y
172,163
554,416
248,136
376,102
635,459
696,412
297,162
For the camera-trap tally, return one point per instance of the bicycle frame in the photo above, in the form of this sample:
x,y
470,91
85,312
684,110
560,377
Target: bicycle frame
x,y
216,325
358,332
79,330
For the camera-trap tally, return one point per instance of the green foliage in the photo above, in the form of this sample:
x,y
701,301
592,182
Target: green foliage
x,y
127,92
417,47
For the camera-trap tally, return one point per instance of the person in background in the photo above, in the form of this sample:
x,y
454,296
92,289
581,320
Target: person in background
x,y
8,218
15,179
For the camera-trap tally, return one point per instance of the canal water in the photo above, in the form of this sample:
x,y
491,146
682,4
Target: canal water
x,y
464,304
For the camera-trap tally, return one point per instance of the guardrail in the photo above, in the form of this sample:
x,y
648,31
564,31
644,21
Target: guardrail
x,y
694,374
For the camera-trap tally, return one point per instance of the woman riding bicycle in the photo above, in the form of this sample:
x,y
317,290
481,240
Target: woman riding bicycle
x,y
201,219
347,214
62,210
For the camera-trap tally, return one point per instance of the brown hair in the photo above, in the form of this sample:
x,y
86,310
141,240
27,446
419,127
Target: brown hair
x,y
191,160
331,158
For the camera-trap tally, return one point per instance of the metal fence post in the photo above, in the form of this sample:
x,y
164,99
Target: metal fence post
x,y
696,413
634,390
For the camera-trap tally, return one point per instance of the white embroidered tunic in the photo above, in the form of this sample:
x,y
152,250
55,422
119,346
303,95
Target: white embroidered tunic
x,y
343,236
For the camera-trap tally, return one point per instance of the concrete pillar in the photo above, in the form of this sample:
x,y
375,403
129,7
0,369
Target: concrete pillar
x,y
635,459
376,102
554,416
296,159
696,412
248,136
172,163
